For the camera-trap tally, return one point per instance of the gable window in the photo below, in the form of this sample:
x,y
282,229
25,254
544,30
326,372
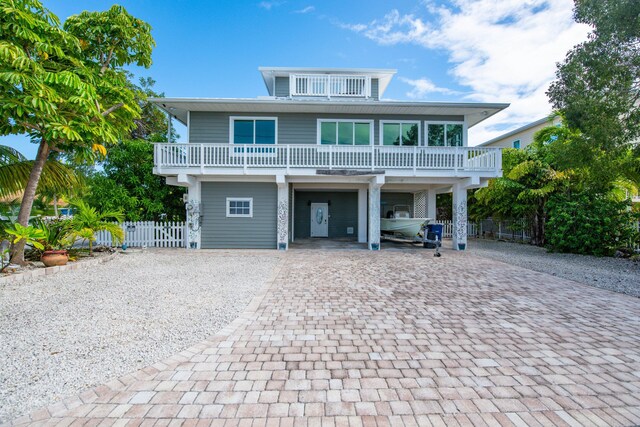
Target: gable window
x,y
253,130
400,133
444,134
239,207
345,132
516,144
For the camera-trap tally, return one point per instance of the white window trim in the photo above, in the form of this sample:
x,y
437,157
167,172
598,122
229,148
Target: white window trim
x,y
381,131
240,199
319,133
426,131
254,118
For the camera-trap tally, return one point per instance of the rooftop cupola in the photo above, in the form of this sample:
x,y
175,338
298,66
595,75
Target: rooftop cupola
x,y
326,83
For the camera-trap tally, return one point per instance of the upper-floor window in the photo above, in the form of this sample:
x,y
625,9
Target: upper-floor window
x,y
406,133
253,130
516,144
445,134
345,132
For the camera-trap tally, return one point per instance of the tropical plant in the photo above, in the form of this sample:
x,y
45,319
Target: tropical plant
x,y
598,84
30,234
522,192
66,87
56,234
588,223
15,170
87,220
126,182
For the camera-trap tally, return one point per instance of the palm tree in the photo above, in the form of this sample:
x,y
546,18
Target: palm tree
x,y
15,169
87,221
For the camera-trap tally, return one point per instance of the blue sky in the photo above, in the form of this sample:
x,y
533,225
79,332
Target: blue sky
x,y
461,50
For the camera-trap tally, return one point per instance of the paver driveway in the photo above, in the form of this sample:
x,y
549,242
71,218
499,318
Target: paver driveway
x,y
361,338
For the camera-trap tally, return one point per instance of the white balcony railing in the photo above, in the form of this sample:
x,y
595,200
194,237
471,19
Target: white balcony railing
x,y
328,85
312,156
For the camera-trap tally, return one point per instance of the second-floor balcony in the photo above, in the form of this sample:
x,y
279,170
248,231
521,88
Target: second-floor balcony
x,y
195,158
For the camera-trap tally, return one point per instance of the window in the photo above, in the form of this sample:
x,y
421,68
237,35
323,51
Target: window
x,y
445,134
253,130
345,132
239,207
516,144
400,133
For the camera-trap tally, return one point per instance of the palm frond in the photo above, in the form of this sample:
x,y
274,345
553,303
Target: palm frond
x,y
10,155
117,233
55,177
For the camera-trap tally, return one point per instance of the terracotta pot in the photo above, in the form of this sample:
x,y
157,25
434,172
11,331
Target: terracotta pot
x,y
53,258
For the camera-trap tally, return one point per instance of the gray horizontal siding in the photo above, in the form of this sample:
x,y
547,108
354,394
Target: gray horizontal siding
x,y
208,127
220,232
282,87
388,200
343,212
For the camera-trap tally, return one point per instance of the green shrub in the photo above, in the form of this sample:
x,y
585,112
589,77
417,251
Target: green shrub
x,y
587,223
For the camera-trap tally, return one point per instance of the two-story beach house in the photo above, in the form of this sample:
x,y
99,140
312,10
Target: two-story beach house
x,y
322,156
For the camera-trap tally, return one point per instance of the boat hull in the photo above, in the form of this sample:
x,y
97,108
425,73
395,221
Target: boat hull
x,y
406,227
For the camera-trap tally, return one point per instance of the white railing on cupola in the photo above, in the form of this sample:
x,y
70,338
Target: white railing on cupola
x,y
330,85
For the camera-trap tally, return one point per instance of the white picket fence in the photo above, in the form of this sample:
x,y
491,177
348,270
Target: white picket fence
x,y
170,234
447,229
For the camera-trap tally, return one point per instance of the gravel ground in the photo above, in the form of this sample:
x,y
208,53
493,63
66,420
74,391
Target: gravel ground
x,y
618,275
78,329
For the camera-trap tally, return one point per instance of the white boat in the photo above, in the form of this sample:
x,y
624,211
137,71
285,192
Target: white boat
x,y
401,224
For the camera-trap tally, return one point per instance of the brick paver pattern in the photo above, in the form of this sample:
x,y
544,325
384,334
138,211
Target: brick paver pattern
x,y
355,338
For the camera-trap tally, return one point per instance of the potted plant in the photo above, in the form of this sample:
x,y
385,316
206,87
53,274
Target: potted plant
x,y
54,242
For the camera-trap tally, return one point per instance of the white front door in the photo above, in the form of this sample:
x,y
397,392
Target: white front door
x,y
319,220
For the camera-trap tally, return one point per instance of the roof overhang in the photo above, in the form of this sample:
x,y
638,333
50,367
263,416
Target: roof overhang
x,y
384,76
474,112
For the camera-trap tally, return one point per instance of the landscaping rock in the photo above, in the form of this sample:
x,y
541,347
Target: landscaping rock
x,y
64,332
614,274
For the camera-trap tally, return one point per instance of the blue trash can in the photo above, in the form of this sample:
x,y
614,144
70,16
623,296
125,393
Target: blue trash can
x,y
436,229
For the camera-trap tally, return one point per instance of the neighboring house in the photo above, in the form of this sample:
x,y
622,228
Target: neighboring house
x,y
523,136
322,156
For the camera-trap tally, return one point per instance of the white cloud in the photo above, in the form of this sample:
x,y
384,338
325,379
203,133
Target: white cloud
x,y
423,86
307,9
503,50
268,5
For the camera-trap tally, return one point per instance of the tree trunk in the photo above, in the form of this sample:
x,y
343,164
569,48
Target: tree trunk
x,y
17,254
537,229
55,205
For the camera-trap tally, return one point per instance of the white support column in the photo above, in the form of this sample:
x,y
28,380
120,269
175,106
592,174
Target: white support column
x,y
194,215
374,212
283,213
362,215
431,204
459,210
